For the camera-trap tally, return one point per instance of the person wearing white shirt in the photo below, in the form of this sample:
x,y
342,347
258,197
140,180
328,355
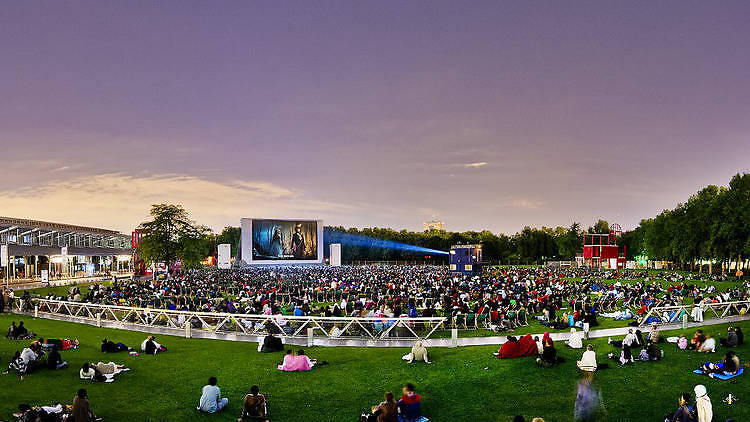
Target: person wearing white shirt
x,y
211,400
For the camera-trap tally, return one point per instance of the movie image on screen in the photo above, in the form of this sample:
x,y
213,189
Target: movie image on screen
x,y
285,240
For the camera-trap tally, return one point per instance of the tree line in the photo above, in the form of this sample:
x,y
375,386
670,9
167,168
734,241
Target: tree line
x,y
713,224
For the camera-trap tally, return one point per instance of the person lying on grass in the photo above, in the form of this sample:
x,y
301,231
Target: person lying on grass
x,y
112,347
59,343
254,406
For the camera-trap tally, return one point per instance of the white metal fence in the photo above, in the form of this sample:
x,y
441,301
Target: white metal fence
x,y
669,314
285,326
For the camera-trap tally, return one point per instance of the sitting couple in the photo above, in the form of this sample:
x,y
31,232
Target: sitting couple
x,y
729,365
293,363
19,332
407,409
151,347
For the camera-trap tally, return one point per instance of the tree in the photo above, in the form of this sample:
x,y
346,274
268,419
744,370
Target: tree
x,y
601,227
171,235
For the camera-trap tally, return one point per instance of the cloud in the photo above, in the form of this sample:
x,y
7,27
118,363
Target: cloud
x,y
121,202
527,204
475,165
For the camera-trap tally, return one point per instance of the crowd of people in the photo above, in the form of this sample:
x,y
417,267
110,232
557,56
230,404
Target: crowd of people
x,y
502,299
509,297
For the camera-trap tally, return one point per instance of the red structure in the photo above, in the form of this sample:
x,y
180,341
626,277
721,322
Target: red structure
x,y
602,251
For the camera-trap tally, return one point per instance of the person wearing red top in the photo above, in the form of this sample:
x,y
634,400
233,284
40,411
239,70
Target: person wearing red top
x,y
410,405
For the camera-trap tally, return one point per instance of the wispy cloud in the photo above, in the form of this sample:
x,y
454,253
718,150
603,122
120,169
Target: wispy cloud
x,y
122,201
476,165
528,204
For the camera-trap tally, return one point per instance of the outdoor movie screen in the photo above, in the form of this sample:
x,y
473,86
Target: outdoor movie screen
x,y
282,241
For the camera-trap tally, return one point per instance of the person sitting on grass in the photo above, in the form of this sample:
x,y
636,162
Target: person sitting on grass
x,y
708,346
254,406
588,360
740,336
625,356
386,411
653,335
686,411
575,340
410,405
729,365
81,411
112,347
151,347
54,360
549,354
418,353
271,344
19,332
211,400
697,340
703,408
631,340
11,331
294,363
682,342
732,340
17,364
32,356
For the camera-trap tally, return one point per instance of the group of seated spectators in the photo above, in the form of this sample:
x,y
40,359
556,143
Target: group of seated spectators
x,y
502,298
79,411
254,404
19,332
407,409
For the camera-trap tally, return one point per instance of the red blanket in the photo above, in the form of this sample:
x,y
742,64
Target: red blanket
x,y
526,346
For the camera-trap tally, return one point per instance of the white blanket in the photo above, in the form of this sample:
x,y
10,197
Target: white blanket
x,y
111,377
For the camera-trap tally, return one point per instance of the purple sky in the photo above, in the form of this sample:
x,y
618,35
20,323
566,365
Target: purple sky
x,y
488,115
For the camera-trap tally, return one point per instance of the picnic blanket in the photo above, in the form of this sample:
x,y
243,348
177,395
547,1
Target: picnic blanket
x,y
111,377
723,376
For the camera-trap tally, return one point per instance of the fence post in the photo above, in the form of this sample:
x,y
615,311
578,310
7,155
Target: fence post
x,y
310,332
454,337
99,320
188,326
36,311
684,321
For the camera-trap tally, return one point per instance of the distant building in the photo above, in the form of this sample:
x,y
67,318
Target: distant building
x,y
434,225
32,246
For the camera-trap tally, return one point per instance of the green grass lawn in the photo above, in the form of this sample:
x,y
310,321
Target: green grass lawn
x,y
465,384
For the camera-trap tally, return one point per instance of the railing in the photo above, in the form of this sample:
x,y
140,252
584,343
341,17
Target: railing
x,y
222,324
667,314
